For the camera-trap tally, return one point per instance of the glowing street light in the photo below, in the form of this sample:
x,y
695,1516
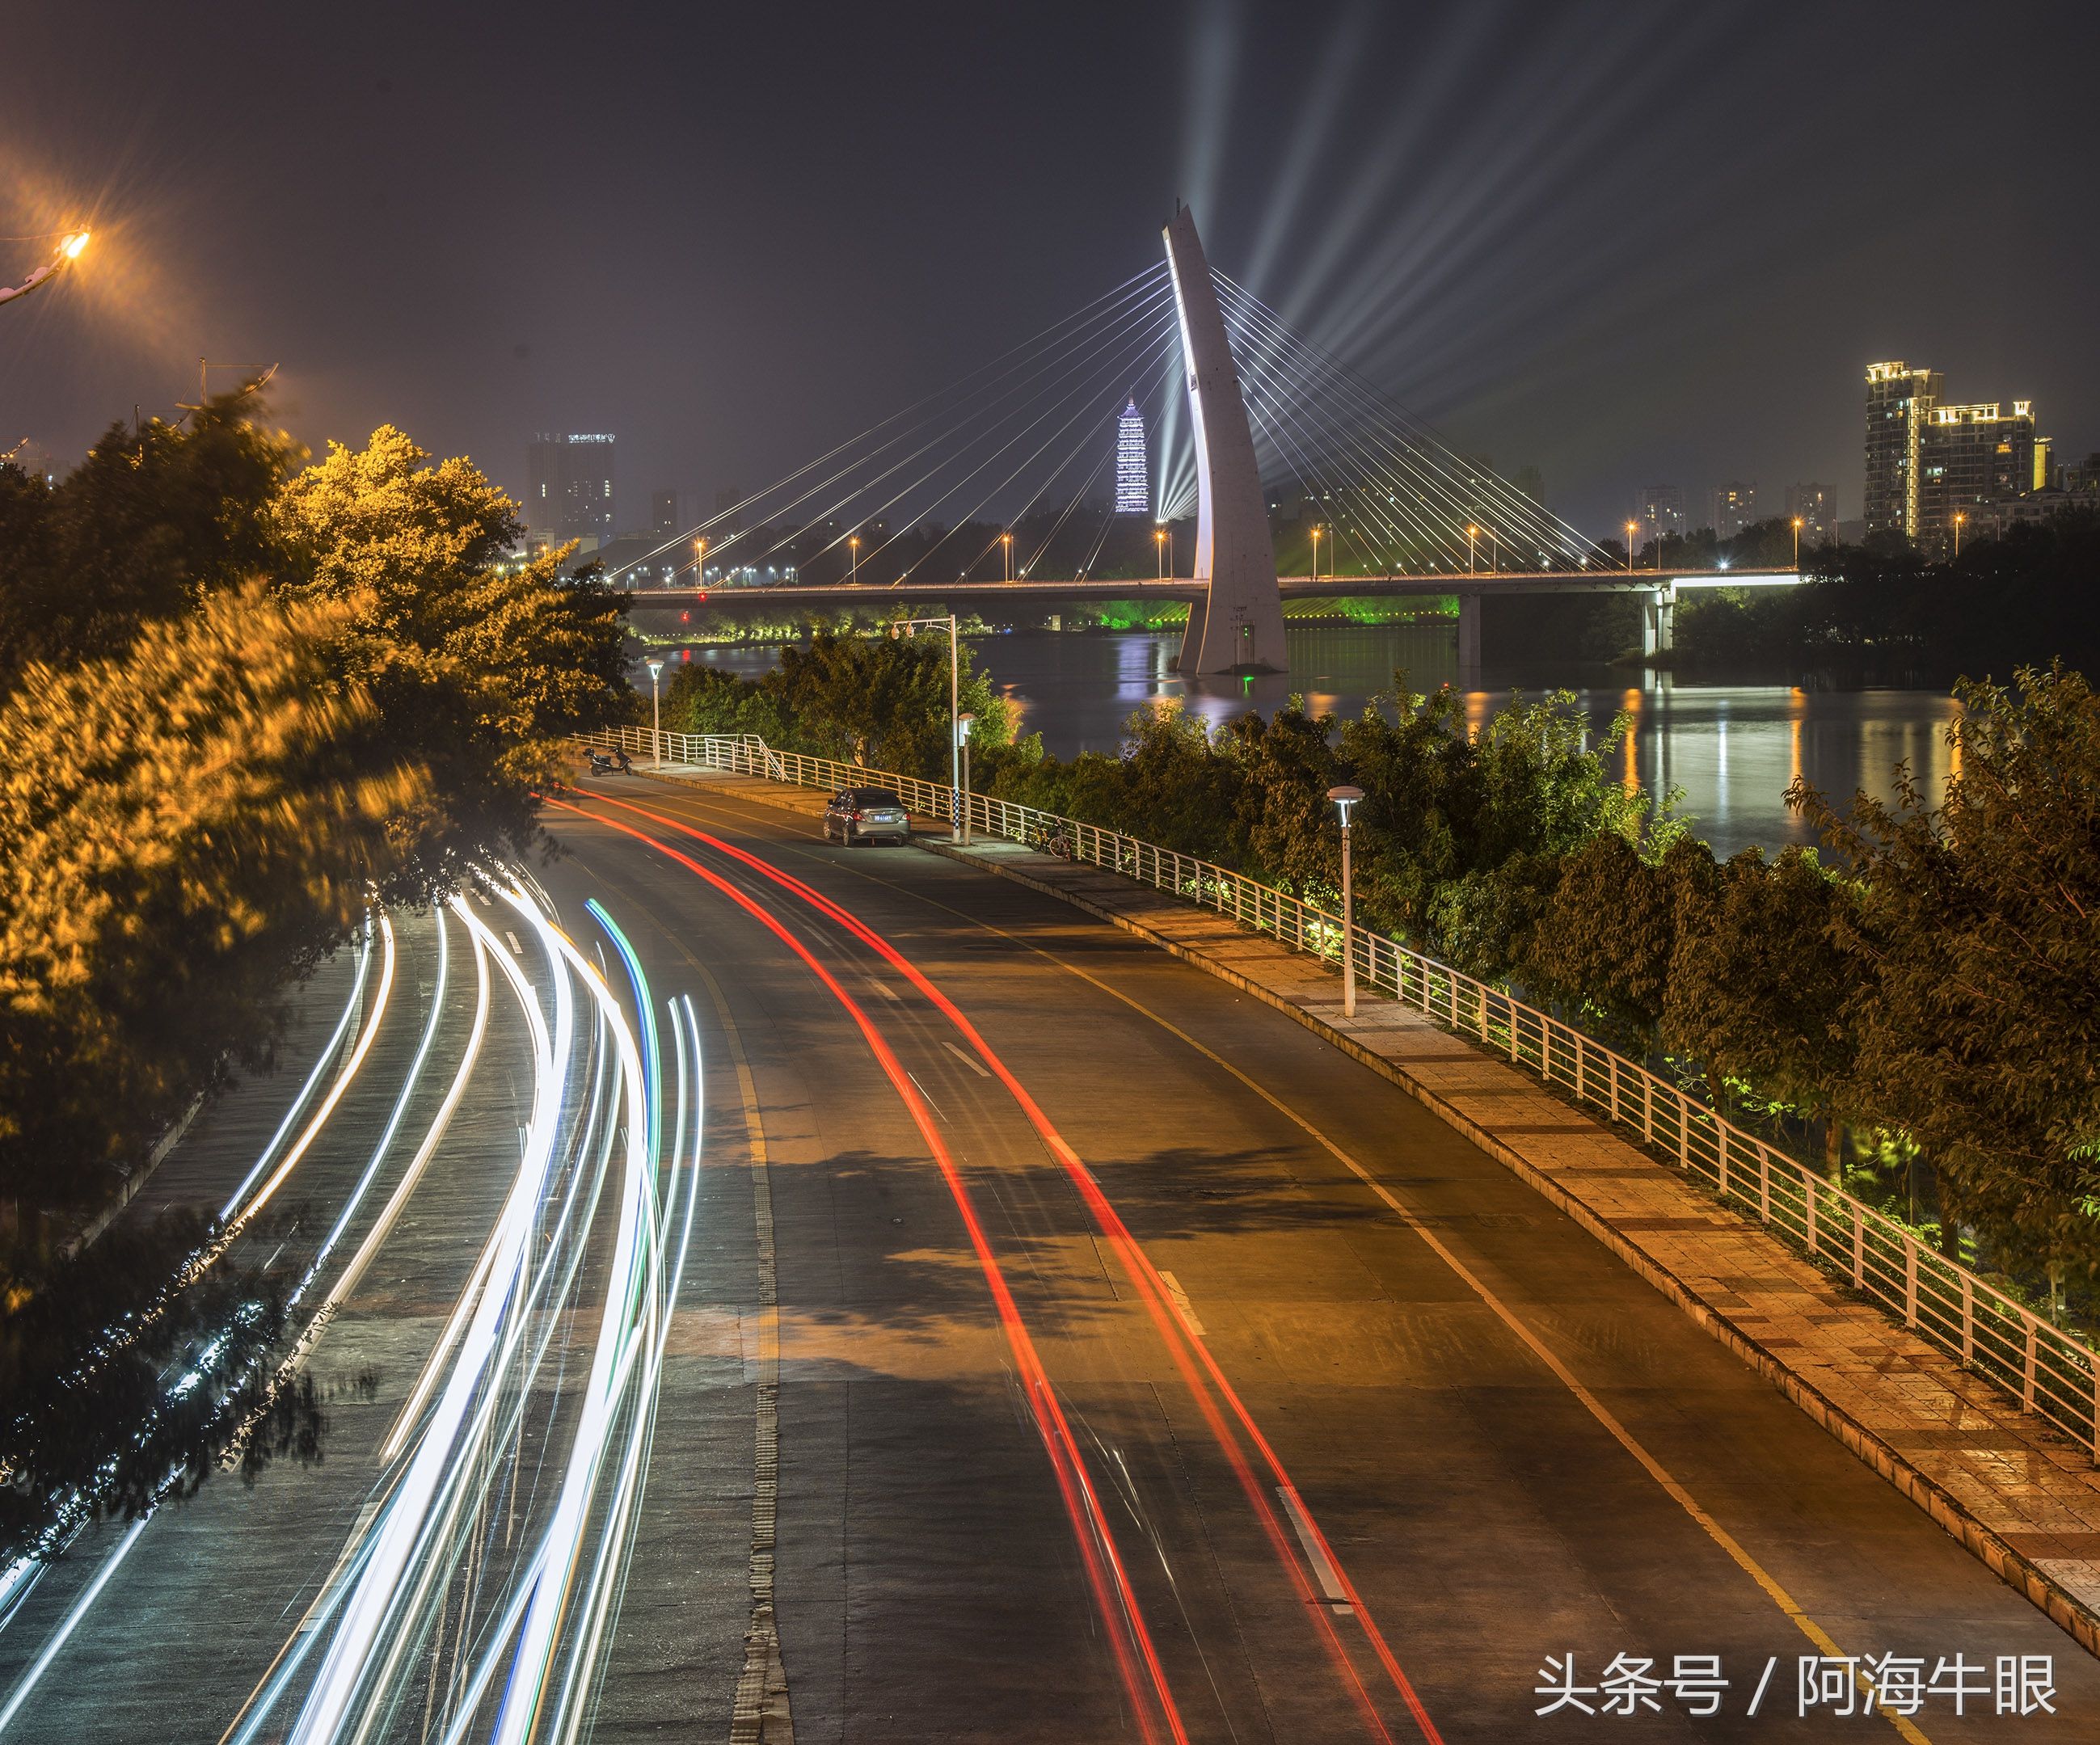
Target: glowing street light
x,y
1315,554
1006,539
68,251
852,544
700,561
1797,543
656,711
1959,517
1159,550
1344,797
1630,526
1472,533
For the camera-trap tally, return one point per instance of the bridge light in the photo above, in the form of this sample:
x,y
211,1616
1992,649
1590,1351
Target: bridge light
x,y
72,246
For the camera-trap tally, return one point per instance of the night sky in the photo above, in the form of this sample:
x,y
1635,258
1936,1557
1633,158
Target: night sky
x,y
1623,244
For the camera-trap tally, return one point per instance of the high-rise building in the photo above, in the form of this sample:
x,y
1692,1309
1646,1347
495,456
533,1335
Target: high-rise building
x,y
1660,510
568,487
664,513
1133,494
1899,403
1734,508
1975,456
1815,508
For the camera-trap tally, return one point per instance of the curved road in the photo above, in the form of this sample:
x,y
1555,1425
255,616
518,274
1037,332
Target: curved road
x,y
1145,1370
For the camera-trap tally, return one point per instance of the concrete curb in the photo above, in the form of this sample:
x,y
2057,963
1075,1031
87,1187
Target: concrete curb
x,y
2012,1567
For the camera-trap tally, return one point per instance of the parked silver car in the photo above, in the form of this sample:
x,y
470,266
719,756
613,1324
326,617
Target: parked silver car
x,y
862,814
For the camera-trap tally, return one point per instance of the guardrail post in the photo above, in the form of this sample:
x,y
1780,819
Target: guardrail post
x,y
1910,1281
1859,1248
2027,1369
1809,1183
1764,1185
1968,1320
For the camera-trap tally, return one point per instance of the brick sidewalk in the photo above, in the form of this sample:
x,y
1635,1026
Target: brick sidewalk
x,y
2024,1499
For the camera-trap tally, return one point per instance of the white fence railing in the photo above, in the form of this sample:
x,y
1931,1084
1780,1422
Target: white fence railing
x,y
2050,1372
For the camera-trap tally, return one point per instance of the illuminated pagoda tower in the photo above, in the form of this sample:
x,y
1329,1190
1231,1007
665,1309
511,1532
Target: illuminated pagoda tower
x,y
1133,491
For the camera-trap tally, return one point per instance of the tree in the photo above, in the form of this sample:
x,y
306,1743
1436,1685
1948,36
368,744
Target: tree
x,y
479,665
1761,989
154,519
1978,923
186,827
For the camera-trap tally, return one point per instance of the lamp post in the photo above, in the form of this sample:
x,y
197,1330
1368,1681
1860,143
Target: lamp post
x,y
1959,517
1006,539
1797,543
62,256
963,746
1316,554
1472,533
1630,526
656,713
905,627
1159,551
700,561
1344,797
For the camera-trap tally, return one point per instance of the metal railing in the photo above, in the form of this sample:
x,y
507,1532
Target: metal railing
x,y
2050,1372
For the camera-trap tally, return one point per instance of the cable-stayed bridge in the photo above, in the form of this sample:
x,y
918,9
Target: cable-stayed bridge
x,y
993,490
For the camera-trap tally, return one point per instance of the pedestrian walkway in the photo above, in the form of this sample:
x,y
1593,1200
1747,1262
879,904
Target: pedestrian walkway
x,y
2024,1499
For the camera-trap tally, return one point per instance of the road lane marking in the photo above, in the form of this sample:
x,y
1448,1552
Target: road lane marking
x,y
921,1090
1183,1306
884,989
970,1061
516,949
1316,1553
761,1690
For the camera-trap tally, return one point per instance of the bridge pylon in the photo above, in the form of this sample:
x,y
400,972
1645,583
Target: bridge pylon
x,y
1237,627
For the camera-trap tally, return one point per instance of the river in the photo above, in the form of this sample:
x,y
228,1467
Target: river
x,y
1732,748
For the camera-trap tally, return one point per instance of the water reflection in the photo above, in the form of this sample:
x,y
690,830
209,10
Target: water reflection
x,y
1733,749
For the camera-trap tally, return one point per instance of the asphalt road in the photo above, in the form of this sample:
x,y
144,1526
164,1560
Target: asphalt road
x,y
1146,1370
1434,1368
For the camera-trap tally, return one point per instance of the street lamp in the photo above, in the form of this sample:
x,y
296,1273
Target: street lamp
x,y
852,544
905,627
1315,554
1630,526
1472,533
1006,539
700,561
963,746
68,251
1345,798
1959,517
656,711
1797,543
1159,550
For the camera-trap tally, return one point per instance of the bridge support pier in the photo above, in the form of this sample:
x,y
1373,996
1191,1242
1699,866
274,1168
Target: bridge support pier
x,y
1659,622
1469,641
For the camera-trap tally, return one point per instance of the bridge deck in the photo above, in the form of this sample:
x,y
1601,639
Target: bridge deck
x,y
1050,593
